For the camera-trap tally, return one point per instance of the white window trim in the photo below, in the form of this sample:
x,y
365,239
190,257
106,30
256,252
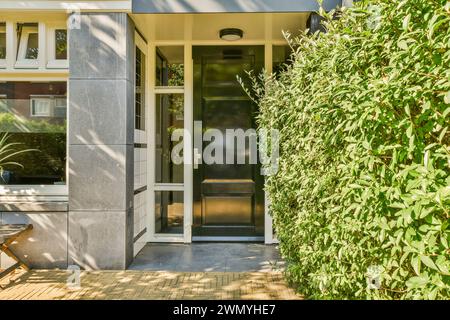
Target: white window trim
x,y
169,90
54,63
186,186
34,190
50,110
3,61
34,193
45,64
53,105
49,192
22,62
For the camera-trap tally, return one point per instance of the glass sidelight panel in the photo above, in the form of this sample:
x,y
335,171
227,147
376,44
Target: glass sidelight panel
x,y
167,149
169,117
170,66
169,212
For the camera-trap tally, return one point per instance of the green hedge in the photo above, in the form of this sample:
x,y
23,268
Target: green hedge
x,y
363,180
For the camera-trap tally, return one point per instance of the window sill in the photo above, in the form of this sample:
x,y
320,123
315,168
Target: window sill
x,y
58,64
34,190
39,198
27,64
33,206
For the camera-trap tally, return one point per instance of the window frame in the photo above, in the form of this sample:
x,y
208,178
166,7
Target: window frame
x,y
52,62
48,192
34,98
55,105
160,56
22,61
154,186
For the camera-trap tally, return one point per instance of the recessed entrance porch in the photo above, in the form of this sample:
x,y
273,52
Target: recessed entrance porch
x,y
190,75
209,257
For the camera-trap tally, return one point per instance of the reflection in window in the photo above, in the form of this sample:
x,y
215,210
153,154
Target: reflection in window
x,y
32,46
2,40
60,109
140,91
281,58
60,44
169,212
170,66
169,117
41,107
33,116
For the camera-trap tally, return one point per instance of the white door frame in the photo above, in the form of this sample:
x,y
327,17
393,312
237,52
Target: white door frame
x,y
187,186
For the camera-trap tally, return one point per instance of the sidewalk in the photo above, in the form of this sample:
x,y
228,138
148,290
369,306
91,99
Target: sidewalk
x,y
51,284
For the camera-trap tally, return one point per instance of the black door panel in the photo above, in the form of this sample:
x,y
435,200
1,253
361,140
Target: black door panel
x,y
228,198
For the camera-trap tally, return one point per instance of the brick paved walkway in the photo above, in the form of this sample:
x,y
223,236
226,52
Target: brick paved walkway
x,y
51,284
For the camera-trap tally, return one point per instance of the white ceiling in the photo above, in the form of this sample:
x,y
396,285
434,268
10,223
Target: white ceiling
x,y
206,27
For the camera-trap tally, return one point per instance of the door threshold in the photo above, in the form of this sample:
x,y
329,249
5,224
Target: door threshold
x,y
227,239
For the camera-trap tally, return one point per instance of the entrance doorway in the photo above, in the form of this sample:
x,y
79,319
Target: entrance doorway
x,y
228,199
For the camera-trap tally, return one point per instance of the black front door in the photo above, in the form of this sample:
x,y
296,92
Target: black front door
x,y
228,197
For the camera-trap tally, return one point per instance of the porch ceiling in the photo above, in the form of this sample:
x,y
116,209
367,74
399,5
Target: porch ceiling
x,y
206,27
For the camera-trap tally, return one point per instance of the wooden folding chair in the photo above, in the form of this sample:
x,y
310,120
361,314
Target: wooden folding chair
x,y
9,233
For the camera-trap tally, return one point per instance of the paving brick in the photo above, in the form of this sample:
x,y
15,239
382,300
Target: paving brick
x,y
51,284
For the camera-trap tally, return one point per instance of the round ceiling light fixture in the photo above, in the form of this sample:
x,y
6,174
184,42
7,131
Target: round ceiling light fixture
x,y
231,34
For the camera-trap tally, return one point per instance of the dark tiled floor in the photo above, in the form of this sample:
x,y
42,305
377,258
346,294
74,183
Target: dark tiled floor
x,y
203,257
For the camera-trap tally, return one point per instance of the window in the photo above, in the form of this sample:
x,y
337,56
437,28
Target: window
x,y
169,212
32,46
41,107
169,117
60,109
2,40
60,44
57,46
28,39
140,91
170,66
33,117
48,106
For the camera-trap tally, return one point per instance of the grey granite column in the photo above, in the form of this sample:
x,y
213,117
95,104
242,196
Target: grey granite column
x,y
100,138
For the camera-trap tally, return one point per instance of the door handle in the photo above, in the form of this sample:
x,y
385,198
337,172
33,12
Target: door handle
x,y
197,158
